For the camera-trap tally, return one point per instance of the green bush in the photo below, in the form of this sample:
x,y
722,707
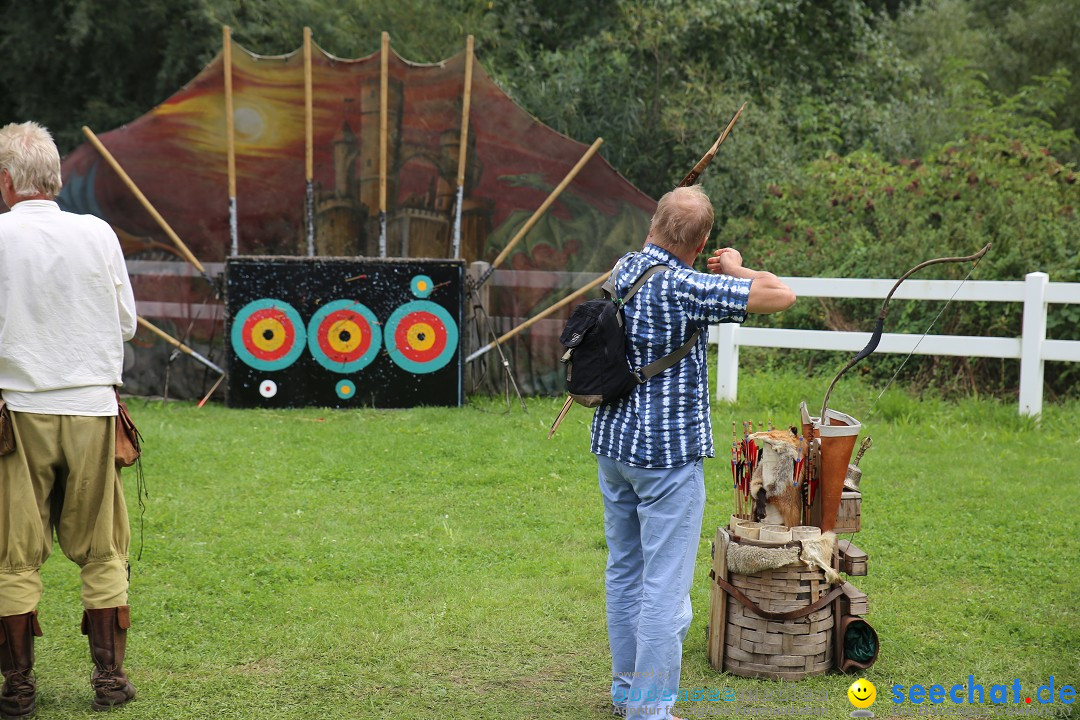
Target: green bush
x,y
860,215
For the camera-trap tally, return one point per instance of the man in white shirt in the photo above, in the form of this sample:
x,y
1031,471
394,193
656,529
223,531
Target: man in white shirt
x,y
66,309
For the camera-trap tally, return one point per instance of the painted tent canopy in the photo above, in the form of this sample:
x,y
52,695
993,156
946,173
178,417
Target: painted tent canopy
x,y
176,155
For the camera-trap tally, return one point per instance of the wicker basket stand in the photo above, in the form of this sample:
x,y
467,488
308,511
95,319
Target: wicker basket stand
x,y
745,643
789,649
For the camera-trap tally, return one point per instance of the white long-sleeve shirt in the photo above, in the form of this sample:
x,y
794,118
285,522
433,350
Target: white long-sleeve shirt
x,y
66,309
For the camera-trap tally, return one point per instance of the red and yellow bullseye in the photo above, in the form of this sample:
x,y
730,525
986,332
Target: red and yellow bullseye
x,y
422,337
344,336
268,334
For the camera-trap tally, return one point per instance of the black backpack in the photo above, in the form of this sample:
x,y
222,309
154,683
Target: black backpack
x,y
597,371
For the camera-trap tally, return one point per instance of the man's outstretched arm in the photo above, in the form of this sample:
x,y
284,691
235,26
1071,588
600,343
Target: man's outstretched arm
x,y
767,293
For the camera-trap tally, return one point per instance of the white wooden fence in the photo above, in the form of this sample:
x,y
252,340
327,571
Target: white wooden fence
x,y
1031,348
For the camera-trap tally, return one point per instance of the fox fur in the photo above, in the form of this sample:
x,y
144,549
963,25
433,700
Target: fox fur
x,y
776,499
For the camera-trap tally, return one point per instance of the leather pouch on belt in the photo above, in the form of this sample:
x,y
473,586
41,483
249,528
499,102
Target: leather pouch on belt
x,y
128,438
7,433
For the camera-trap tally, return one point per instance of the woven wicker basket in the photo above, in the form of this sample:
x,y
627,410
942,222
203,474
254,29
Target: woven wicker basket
x,y
787,650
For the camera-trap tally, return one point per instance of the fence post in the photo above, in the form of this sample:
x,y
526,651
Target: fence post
x,y
1032,336
727,362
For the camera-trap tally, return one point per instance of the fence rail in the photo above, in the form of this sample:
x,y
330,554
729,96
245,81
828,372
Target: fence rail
x,y
1032,348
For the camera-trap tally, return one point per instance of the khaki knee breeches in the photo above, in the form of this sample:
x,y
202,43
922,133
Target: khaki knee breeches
x,y
62,476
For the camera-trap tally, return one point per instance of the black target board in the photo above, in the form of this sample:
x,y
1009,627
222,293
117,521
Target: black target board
x,y
343,332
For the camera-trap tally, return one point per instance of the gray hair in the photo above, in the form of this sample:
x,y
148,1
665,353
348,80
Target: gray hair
x,y
28,153
683,218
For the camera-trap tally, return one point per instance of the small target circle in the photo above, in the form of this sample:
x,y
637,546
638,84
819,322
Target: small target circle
x,y
421,286
421,337
268,334
344,336
345,389
268,388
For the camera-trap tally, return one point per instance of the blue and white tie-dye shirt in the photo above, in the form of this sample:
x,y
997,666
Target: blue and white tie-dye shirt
x,y
665,422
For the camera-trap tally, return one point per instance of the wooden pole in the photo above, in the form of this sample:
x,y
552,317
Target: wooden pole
x,y
463,145
178,345
309,141
384,111
142,199
718,602
230,141
537,318
547,203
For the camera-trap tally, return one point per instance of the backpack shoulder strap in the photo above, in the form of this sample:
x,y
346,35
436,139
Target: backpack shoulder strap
x,y
641,281
661,364
609,285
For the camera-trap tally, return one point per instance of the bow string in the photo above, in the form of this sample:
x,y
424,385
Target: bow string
x,y
875,338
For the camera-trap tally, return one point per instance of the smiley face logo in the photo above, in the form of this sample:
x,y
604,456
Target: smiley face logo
x,y
862,693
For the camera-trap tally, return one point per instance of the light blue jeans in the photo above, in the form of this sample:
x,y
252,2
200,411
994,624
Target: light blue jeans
x,y
652,521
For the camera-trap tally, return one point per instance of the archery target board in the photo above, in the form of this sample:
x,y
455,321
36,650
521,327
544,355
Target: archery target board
x,y
343,332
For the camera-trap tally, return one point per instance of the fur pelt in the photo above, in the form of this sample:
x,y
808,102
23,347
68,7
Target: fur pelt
x,y
776,500
818,553
752,559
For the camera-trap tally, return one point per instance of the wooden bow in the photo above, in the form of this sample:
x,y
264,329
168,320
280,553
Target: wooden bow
x,y
875,338
707,158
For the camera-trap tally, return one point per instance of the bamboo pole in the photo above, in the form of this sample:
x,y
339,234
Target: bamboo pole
x,y
178,345
690,178
142,199
230,141
309,142
463,145
547,203
384,111
537,318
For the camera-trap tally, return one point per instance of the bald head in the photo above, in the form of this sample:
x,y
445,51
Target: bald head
x,y
683,218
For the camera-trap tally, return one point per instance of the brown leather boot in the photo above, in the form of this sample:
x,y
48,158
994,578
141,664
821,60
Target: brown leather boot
x,y
19,695
107,630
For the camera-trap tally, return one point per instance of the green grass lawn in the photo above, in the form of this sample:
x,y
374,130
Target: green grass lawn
x,y
448,563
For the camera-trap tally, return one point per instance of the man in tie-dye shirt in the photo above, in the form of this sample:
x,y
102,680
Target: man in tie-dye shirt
x,y
650,445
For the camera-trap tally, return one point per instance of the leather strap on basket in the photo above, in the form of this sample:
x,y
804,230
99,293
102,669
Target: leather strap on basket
x,y
734,592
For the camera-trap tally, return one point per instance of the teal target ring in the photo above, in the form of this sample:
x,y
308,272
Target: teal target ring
x,y
422,286
268,334
344,336
421,337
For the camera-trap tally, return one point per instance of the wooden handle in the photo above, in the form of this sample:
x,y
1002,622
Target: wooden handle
x,y
384,110
178,345
537,318
465,104
309,123
230,121
547,203
142,199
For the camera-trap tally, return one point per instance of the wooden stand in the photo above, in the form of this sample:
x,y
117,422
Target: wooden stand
x,y
853,561
849,517
717,626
